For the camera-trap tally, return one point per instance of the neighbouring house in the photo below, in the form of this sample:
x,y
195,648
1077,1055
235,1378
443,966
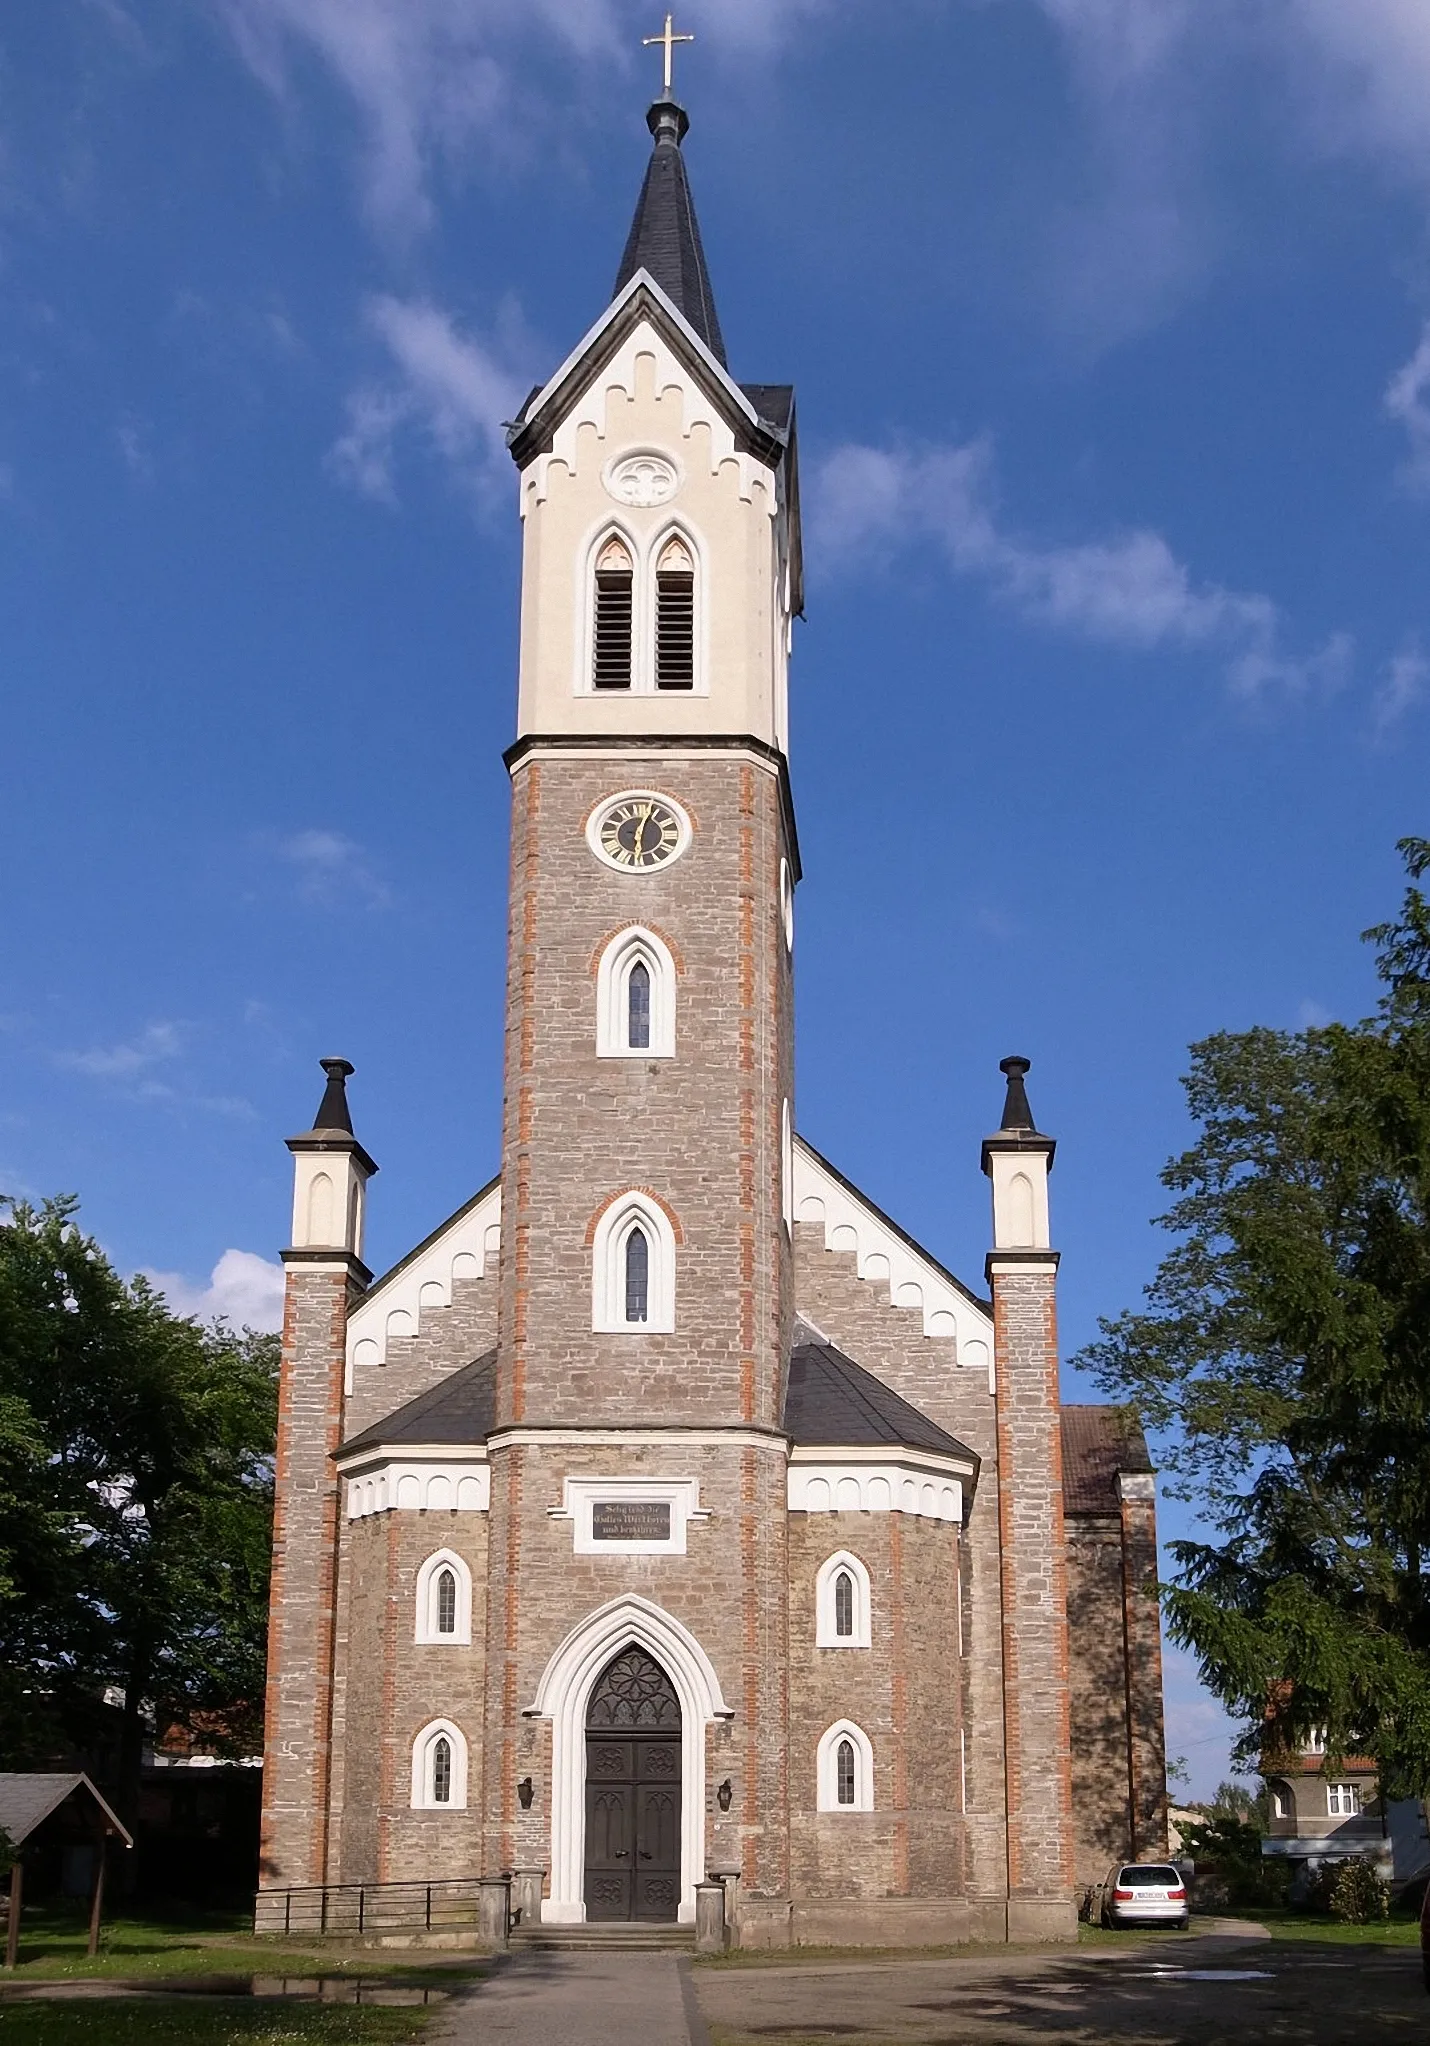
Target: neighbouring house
x,y
1332,1811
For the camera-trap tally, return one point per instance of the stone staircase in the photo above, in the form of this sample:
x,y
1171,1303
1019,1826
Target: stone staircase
x,y
631,1937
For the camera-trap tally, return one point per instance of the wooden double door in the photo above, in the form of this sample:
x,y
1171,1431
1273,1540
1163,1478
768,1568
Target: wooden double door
x,y
633,1770
632,1826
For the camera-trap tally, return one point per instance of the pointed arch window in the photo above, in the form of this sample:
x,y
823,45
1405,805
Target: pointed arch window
x,y
675,617
637,1261
845,1766
638,1006
841,1603
635,997
633,1268
614,611
444,1601
439,1768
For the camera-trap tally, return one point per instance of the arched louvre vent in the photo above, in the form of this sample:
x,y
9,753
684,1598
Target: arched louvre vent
x,y
612,633
633,1693
675,618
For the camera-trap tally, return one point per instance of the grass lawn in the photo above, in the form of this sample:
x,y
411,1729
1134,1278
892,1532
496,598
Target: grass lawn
x,y
114,2022
52,1948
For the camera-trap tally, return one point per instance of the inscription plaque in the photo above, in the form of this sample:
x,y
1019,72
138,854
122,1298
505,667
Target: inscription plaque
x,y
630,1520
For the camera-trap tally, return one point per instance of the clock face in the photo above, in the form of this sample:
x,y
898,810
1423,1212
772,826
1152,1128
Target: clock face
x,y
639,831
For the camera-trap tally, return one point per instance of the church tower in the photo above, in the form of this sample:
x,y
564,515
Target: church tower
x,y
646,1297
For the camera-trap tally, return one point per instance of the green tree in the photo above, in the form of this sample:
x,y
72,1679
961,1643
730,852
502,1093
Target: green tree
x,y
1283,1361
135,1505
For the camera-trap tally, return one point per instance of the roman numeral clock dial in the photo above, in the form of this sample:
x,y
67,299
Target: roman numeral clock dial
x,y
639,830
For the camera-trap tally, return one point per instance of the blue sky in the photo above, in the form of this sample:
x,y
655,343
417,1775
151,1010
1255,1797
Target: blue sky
x,y
1110,321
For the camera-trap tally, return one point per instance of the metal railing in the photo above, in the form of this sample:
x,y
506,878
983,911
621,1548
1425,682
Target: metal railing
x,y
447,1906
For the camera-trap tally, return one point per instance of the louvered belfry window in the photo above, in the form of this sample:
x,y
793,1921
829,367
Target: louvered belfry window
x,y
675,618
611,659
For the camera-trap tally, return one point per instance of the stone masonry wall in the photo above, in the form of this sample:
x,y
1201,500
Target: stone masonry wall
x,y
1143,1635
393,1687
446,1338
1037,1729
902,1691
297,1730
1098,1673
856,1315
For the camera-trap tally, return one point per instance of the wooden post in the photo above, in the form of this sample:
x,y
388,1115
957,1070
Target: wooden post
x,y
96,1902
12,1928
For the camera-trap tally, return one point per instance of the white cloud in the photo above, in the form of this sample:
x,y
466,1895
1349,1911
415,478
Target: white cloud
x,y
454,389
1127,591
153,1046
1402,686
332,870
1407,401
431,79
242,1287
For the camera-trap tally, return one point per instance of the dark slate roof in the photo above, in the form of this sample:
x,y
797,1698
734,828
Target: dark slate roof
x,y
832,1401
461,1408
773,403
1098,1442
665,237
28,1798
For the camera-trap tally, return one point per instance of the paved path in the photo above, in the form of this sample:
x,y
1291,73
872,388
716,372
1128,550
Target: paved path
x,y
578,1999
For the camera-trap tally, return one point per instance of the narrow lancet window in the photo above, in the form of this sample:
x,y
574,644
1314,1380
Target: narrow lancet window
x,y
844,1603
442,1770
637,1276
675,618
446,1602
638,1007
844,1771
611,633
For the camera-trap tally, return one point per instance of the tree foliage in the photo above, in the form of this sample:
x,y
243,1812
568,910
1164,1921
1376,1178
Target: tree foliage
x,y
135,1506
1283,1361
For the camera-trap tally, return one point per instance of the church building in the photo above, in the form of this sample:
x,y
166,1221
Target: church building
x,y
669,1514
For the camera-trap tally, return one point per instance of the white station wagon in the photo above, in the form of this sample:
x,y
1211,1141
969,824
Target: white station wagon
x,y
1145,1893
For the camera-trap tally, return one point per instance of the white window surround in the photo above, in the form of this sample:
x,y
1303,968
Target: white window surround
x,y
613,973
626,1212
787,904
427,1630
423,1756
562,1697
826,1630
578,1496
828,1768
645,550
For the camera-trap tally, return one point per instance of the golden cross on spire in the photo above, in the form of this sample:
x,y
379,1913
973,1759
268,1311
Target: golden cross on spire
x,y
667,40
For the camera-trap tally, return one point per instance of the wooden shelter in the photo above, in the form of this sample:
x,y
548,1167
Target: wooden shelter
x,y
40,1809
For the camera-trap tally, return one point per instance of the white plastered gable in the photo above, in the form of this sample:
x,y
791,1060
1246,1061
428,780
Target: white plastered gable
x,y
917,1285
466,1247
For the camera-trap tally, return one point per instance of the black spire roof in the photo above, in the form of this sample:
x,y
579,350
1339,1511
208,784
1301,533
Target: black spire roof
x,y
1016,1113
665,237
333,1111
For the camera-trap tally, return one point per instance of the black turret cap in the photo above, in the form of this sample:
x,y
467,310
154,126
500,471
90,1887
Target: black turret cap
x,y
1017,1131
1016,1113
333,1111
665,237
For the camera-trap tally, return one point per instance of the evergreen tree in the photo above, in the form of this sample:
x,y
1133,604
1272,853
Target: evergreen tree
x,y
1283,1359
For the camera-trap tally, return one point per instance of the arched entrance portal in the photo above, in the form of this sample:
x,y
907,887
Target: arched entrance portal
x,y
633,1791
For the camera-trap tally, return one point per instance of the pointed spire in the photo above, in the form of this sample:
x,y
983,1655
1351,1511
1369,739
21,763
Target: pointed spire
x,y
665,236
1016,1113
333,1111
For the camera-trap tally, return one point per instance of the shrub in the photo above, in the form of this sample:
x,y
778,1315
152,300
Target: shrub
x,y
1358,1894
